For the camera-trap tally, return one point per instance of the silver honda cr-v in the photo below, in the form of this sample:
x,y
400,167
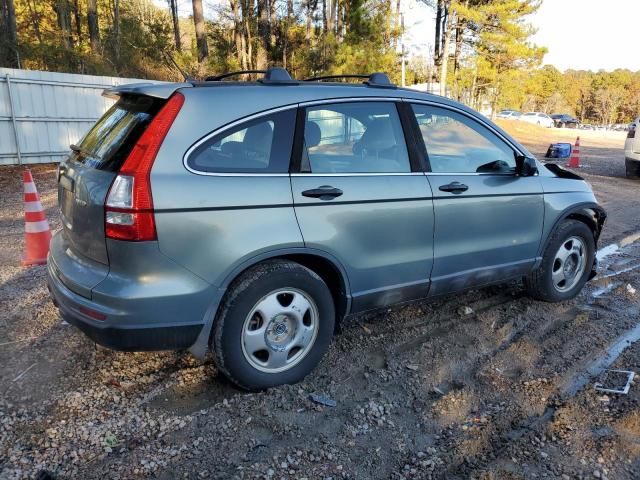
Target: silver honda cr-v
x,y
252,217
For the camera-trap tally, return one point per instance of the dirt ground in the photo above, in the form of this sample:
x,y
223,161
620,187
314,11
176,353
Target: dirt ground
x,y
422,391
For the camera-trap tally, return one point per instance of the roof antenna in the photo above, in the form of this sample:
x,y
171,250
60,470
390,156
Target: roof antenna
x,y
171,62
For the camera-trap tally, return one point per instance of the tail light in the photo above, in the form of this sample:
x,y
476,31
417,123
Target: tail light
x,y
129,206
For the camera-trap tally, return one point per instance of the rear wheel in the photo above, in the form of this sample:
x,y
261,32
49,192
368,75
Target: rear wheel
x,y
566,263
274,326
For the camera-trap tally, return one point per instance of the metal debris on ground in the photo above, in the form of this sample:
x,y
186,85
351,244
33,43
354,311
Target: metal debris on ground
x,y
413,367
615,381
630,289
464,311
24,372
322,400
438,391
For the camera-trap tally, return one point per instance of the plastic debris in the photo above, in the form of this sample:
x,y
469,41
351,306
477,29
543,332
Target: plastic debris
x,y
615,381
322,400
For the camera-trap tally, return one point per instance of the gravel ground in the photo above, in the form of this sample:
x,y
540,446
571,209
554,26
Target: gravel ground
x,y
429,390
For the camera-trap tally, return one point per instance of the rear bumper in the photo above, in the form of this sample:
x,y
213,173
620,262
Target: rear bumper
x,y
145,302
118,336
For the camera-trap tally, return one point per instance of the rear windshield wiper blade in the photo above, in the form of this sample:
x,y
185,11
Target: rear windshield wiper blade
x,y
78,149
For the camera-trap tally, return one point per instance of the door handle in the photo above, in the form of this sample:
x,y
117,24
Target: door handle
x,y
454,187
325,192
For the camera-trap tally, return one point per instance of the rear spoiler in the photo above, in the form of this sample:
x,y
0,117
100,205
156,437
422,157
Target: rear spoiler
x,y
158,90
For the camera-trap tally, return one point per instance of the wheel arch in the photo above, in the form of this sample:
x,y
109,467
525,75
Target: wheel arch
x,y
325,265
589,213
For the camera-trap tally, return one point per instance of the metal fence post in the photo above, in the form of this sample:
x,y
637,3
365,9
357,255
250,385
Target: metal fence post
x,y
13,119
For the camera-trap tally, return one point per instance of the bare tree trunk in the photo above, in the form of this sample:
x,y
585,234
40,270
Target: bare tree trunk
x,y
201,33
287,25
461,24
8,34
237,35
340,19
263,35
437,39
273,21
116,27
63,13
324,16
331,16
444,60
92,22
35,19
247,41
173,6
307,35
77,17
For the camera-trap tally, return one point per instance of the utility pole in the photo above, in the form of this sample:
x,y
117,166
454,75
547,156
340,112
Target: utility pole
x,y
402,48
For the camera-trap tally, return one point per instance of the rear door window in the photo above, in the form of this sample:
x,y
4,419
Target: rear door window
x,y
358,137
111,139
261,145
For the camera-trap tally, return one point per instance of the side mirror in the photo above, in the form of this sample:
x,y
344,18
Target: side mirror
x,y
526,166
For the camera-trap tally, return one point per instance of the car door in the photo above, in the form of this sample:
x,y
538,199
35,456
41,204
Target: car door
x,y
488,220
360,197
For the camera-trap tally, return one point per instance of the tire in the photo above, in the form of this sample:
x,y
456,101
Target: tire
x,y
632,168
542,284
267,301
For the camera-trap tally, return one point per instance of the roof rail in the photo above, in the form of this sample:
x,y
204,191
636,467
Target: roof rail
x,y
333,77
376,79
280,76
216,78
273,75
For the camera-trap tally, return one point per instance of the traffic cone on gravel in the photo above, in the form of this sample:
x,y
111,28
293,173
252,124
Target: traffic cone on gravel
x,y
36,228
574,161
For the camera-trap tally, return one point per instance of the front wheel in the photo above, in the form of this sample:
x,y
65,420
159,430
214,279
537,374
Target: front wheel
x,y
274,326
566,263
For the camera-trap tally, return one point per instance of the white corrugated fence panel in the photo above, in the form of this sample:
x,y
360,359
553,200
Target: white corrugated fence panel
x,y
51,111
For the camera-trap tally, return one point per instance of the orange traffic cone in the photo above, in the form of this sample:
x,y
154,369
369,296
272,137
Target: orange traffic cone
x,y
36,228
574,161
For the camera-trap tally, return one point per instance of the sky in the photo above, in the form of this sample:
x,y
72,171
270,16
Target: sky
x,y
589,34
579,34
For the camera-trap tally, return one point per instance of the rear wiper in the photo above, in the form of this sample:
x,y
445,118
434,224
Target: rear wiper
x,y
78,149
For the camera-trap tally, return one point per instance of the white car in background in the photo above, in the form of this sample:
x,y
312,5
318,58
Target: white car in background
x,y
509,114
538,118
632,150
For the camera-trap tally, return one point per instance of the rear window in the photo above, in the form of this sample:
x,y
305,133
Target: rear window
x,y
109,142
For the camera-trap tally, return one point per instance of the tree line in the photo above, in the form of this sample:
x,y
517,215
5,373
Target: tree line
x,y
133,37
482,53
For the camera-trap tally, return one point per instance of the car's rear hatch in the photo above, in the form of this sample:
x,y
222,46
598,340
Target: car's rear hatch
x,y
86,176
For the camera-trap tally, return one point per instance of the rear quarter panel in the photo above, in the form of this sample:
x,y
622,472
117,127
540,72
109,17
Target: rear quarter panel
x,y
212,223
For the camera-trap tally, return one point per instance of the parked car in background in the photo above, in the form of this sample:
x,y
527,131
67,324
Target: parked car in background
x,y
620,127
538,118
632,150
587,126
509,114
563,120
251,218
